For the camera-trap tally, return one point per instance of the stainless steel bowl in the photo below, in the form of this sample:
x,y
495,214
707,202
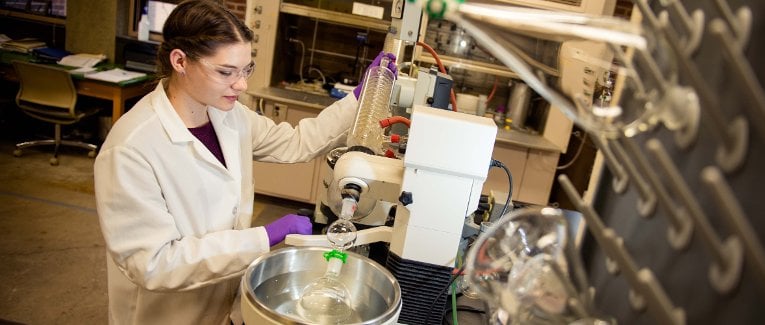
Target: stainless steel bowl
x,y
274,282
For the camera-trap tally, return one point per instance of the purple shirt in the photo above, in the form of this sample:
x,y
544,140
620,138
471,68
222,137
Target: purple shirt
x,y
206,134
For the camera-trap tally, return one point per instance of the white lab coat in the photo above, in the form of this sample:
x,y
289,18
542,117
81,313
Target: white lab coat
x,y
176,221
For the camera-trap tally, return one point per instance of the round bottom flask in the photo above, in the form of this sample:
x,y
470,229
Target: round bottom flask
x,y
326,300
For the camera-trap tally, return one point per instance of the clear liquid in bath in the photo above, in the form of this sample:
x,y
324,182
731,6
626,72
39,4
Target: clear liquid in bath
x,y
282,294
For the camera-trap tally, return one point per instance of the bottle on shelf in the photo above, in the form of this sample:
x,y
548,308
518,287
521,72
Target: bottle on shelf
x,y
143,25
499,116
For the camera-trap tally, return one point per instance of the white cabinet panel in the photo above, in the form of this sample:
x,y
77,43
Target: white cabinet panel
x,y
289,181
532,170
538,177
514,158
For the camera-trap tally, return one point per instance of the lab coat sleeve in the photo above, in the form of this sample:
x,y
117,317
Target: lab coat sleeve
x,y
282,143
143,239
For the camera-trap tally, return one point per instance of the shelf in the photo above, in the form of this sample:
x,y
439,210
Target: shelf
x,y
33,17
335,17
476,66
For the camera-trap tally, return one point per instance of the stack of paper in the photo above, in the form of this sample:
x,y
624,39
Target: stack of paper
x,y
24,45
116,75
82,60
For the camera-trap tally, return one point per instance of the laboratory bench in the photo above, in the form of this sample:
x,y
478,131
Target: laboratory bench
x,y
117,93
532,159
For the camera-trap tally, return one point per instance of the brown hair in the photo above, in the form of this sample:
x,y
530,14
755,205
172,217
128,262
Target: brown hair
x,y
198,28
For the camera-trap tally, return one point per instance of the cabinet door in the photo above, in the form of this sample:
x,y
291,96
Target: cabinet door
x,y
538,177
532,170
288,181
515,159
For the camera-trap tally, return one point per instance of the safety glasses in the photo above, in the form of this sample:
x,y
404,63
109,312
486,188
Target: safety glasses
x,y
227,74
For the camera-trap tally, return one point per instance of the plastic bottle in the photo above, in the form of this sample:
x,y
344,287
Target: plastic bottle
x,y
143,25
374,105
481,111
499,116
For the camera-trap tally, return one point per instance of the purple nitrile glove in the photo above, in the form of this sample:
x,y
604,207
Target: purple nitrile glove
x,y
376,63
288,224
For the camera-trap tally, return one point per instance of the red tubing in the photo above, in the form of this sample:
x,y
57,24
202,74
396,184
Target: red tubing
x,y
384,123
493,91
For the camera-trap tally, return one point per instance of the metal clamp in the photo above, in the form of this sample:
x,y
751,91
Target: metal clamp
x,y
734,136
646,204
621,179
741,22
680,224
643,284
729,207
725,271
743,69
693,23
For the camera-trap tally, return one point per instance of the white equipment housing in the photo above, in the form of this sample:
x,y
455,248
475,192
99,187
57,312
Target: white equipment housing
x,y
447,160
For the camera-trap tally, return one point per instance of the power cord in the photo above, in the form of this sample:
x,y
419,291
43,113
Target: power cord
x,y
494,163
445,289
582,141
497,163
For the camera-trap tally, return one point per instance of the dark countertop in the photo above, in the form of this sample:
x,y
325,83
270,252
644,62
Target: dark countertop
x,y
293,97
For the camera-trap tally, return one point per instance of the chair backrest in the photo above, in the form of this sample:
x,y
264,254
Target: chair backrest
x,y
45,86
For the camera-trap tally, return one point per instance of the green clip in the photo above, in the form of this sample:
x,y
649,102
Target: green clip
x,y
335,254
437,8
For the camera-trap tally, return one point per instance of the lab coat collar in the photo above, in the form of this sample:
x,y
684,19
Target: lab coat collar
x,y
228,137
179,133
168,117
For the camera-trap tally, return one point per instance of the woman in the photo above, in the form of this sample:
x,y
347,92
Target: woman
x,y
173,180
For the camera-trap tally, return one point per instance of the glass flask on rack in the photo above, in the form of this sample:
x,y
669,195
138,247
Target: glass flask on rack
x,y
527,270
645,92
374,105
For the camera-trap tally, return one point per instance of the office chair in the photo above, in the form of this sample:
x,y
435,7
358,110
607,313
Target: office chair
x,y
47,93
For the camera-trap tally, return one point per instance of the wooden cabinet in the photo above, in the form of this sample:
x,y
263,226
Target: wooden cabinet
x,y
289,181
532,169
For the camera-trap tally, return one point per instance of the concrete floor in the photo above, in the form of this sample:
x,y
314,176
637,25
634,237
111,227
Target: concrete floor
x,y
53,268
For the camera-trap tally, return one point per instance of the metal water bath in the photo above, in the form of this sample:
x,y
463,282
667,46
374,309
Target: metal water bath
x,y
273,283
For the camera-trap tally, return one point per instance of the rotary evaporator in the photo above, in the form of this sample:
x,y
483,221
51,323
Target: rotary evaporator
x,y
426,180
413,196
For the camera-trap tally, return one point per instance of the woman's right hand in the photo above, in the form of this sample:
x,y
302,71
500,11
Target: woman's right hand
x,y
288,224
